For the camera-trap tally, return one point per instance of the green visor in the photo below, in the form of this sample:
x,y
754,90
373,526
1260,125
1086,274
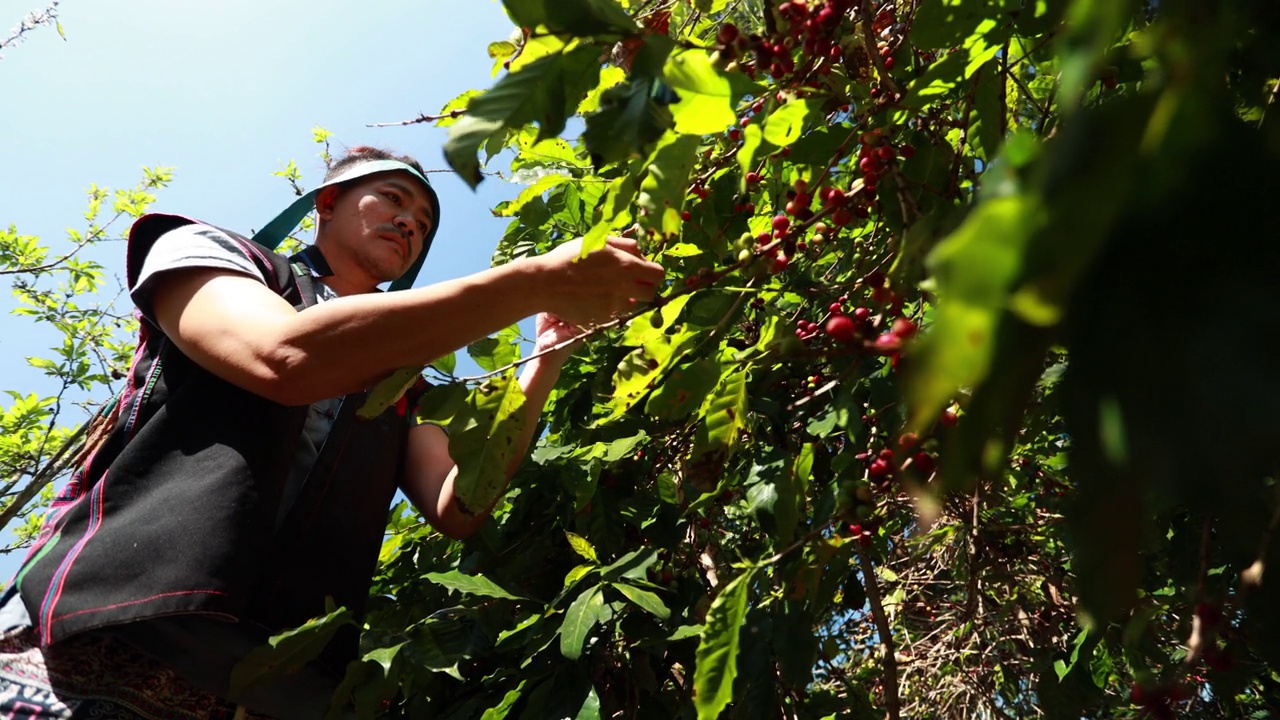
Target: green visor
x,y
274,232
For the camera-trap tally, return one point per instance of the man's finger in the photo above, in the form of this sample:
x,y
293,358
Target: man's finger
x,y
650,273
625,244
644,291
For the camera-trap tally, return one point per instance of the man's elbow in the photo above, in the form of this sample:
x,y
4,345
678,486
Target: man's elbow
x,y
281,375
457,525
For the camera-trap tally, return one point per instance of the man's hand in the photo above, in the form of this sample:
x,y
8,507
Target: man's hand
x,y
606,283
551,331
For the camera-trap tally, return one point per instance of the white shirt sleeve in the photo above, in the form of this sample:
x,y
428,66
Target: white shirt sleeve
x,y
190,246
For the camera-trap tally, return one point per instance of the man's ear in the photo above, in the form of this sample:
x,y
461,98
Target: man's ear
x,y
325,200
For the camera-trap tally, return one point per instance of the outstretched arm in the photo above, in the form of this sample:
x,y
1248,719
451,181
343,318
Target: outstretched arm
x,y
238,329
430,471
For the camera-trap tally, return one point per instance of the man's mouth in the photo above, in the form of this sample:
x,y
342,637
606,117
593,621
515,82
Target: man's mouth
x,y
400,242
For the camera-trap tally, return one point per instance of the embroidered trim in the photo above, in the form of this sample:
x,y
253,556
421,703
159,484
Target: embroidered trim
x,y
58,582
127,603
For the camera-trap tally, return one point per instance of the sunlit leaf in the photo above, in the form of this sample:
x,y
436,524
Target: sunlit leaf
x,y
581,616
482,441
287,652
645,600
470,584
546,91
717,655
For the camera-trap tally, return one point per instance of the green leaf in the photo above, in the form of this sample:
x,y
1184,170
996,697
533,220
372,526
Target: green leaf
x,y
639,371
717,655
577,17
684,390
385,657
1100,668
795,646
579,572
616,207
492,353
499,711
581,616
666,182
287,652
627,124
724,415
359,675
791,484
975,268
609,77
623,448
988,105
387,392
1063,668
501,52
439,404
546,91
684,632
42,363
590,707
482,441
948,23
650,328
446,363
645,600
443,641
707,93
944,77
543,184
786,122
632,565
471,585
582,546
819,146
752,139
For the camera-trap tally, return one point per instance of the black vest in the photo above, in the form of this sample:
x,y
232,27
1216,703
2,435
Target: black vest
x,y
176,512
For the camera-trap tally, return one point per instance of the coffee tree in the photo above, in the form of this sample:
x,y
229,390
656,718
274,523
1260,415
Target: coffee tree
x,y
61,290
959,401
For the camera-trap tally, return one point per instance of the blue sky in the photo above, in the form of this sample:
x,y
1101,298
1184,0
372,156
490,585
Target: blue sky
x,y
226,93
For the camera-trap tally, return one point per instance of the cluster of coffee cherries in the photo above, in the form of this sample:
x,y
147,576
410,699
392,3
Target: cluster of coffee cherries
x,y
877,156
814,29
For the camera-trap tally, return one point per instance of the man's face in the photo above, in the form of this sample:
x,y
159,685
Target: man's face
x,y
376,223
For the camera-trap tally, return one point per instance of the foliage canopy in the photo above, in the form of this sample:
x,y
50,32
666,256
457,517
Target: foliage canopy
x,y
960,402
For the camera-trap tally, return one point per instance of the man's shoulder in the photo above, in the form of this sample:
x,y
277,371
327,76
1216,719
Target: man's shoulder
x,y
163,242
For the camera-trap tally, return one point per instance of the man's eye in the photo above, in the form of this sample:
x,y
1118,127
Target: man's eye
x,y
395,198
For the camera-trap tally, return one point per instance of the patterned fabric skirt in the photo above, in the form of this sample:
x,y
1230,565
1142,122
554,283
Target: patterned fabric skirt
x,y
100,677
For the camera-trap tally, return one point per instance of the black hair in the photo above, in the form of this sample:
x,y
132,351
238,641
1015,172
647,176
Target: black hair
x,y
364,153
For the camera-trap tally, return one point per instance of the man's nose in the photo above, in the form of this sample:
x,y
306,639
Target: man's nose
x,y
404,226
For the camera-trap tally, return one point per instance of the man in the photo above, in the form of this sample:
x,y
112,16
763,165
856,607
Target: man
x,y
237,490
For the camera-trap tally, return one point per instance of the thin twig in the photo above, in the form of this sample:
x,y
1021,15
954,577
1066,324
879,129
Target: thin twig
x,y
808,537
1275,90
870,45
90,238
58,463
51,265
424,118
1031,98
891,699
33,20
